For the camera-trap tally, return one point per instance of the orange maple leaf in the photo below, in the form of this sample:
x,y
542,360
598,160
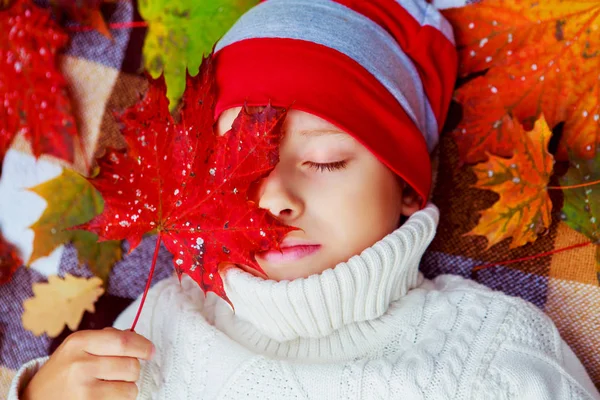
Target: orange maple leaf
x,y
540,57
523,210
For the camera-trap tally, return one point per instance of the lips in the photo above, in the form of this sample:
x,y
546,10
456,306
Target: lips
x,y
292,249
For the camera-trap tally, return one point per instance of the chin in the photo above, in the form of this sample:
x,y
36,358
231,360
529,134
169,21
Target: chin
x,y
290,272
285,276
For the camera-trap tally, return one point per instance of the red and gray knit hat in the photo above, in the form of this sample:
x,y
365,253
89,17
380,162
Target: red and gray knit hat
x,y
381,70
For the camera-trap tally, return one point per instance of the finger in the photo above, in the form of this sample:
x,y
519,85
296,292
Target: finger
x,y
110,390
125,369
117,343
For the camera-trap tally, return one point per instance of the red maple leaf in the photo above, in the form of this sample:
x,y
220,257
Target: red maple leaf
x,y
33,94
189,185
9,260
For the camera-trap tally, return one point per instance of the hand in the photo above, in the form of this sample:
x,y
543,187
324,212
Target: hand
x,y
90,365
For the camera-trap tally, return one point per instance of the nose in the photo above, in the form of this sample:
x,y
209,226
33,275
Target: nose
x,y
276,194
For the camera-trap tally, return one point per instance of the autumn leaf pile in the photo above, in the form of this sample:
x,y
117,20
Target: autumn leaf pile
x,y
530,67
529,76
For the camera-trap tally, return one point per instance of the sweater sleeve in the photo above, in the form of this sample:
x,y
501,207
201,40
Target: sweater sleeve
x,y
531,361
23,377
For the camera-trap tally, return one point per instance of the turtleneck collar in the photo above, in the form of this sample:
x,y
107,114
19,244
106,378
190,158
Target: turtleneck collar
x,y
269,313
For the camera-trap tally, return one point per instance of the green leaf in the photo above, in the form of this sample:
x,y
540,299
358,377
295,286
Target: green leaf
x,y
72,200
581,209
180,32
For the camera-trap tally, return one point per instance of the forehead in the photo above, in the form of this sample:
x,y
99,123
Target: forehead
x,y
298,123
306,125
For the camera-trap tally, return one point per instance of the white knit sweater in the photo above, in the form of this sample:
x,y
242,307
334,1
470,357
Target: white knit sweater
x,y
370,328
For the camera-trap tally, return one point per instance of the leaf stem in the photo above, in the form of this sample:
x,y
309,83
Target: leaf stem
x,y
484,266
574,186
154,258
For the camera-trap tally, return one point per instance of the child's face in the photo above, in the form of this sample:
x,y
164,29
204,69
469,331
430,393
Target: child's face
x,y
331,187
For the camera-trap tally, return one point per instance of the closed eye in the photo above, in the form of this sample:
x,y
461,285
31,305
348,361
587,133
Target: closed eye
x,y
333,166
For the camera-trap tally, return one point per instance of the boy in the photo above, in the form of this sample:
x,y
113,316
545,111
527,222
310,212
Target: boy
x,y
343,312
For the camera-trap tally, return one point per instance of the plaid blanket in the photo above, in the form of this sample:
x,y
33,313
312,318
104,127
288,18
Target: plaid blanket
x,y
105,76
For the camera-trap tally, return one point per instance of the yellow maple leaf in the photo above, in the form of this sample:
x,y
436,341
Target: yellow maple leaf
x,y
524,207
59,302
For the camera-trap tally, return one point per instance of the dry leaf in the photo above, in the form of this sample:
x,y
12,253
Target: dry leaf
x,y
72,200
523,210
538,57
59,302
180,32
581,207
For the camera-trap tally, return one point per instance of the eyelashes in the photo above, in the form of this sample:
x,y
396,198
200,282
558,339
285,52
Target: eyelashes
x,y
333,166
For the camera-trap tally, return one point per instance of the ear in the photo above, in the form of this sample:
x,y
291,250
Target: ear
x,y
411,201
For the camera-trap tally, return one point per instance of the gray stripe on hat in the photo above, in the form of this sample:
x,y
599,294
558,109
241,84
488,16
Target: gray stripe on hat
x,y
338,27
427,14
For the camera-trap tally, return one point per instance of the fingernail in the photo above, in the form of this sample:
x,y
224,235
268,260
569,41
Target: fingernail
x,y
153,352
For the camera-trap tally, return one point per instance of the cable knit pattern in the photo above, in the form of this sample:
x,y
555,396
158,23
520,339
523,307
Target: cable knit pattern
x,y
355,291
340,305
534,330
370,328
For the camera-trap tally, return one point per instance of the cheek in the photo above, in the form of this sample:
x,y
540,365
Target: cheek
x,y
389,200
360,208
377,204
